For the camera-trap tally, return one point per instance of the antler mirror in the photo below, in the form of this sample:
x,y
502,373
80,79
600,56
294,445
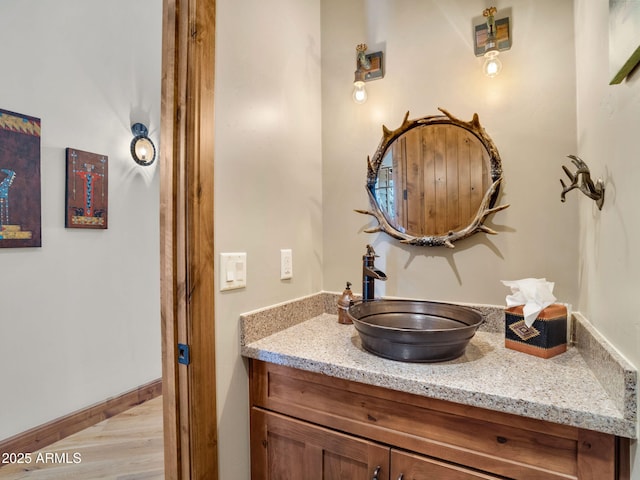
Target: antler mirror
x,y
434,180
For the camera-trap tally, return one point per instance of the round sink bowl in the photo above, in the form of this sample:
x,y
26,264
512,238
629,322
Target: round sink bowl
x,y
414,330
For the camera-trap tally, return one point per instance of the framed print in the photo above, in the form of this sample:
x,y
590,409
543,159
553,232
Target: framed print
x,y
20,197
624,38
87,190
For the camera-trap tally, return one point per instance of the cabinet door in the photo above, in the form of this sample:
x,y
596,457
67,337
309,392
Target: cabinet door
x,y
408,466
283,448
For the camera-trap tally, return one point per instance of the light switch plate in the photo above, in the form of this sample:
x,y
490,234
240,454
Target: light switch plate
x,y
233,270
286,264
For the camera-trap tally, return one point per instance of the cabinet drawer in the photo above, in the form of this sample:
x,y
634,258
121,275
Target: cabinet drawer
x,y
505,445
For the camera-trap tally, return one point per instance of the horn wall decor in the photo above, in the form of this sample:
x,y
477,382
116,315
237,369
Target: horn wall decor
x,y
434,180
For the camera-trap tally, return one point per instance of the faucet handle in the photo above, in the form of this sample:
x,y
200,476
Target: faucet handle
x,y
371,252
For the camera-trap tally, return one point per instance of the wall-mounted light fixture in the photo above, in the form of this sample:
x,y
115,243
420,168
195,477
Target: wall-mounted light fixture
x,y
143,150
492,37
368,67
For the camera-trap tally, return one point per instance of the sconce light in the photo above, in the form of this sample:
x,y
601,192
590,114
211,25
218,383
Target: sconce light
x,y
368,67
143,150
490,39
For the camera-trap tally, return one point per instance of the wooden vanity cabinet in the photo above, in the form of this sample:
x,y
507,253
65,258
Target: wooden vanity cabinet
x,y
310,426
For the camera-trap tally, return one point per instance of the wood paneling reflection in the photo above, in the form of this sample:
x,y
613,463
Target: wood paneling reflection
x,y
440,174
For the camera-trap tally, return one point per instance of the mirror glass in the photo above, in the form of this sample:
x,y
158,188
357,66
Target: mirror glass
x,y
434,180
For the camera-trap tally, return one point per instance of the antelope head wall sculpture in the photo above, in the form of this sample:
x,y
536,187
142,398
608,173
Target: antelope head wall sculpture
x,y
581,180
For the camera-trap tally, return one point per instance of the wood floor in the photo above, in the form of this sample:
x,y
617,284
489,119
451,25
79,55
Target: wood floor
x,y
128,446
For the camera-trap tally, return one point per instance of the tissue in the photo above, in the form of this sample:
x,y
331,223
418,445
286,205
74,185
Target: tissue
x,y
535,294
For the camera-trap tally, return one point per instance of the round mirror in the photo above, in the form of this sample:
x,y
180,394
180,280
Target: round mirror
x,y
434,180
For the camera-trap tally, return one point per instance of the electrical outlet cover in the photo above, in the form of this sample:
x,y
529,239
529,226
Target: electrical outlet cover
x,y
286,264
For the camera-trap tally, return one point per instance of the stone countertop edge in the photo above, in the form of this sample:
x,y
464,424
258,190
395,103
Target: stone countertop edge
x,y
614,372
614,393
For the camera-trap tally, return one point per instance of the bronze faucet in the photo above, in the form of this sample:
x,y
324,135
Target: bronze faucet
x,y
370,274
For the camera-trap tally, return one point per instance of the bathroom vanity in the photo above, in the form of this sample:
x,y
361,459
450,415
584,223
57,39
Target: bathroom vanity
x,y
309,425
322,407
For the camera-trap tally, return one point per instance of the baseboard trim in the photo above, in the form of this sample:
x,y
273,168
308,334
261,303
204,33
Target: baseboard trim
x,y
50,432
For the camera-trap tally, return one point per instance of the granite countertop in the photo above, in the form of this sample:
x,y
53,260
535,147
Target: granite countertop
x,y
563,389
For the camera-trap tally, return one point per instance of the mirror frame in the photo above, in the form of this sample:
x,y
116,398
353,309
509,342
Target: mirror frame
x,y
487,206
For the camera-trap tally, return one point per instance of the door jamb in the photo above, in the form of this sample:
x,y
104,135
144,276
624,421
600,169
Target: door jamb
x,y
186,239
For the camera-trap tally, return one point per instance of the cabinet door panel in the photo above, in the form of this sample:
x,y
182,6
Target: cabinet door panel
x,y
406,466
287,449
284,457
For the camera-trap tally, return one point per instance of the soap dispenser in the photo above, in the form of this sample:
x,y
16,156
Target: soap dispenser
x,y
344,302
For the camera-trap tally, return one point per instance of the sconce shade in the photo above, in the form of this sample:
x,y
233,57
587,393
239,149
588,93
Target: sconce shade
x,y
359,92
143,151
492,64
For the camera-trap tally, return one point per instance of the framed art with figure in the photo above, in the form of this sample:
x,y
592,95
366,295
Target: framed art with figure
x,y
20,197
87,188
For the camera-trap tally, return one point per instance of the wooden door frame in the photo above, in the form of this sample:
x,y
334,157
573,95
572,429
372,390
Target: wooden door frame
x,y
186,239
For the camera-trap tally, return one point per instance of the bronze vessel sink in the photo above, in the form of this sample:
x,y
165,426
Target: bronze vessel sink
x,y
414,330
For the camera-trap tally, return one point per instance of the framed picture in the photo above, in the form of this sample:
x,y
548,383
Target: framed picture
x,y
87,188
624,38
20,197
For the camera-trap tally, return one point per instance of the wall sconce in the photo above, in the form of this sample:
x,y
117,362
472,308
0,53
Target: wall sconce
x,y
368,67
490,39
143,150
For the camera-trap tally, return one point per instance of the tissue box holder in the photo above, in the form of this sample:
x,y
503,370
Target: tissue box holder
x,y
546,338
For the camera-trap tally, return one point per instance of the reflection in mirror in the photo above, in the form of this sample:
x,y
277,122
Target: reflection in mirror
x,y
434,180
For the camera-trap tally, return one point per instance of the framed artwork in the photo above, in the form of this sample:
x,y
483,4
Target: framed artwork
x,y
20,197
86,190
624,38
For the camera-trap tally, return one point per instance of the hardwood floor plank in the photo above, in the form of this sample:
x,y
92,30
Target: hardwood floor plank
x,y
128,446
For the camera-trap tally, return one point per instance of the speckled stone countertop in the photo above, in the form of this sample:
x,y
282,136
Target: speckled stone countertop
x,y
305,334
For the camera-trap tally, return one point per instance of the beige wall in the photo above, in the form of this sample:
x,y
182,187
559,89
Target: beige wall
x,y
80,316
528,110
268,187
608,120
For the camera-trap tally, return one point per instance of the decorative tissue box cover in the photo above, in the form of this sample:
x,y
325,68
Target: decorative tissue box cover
x,y
546,338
